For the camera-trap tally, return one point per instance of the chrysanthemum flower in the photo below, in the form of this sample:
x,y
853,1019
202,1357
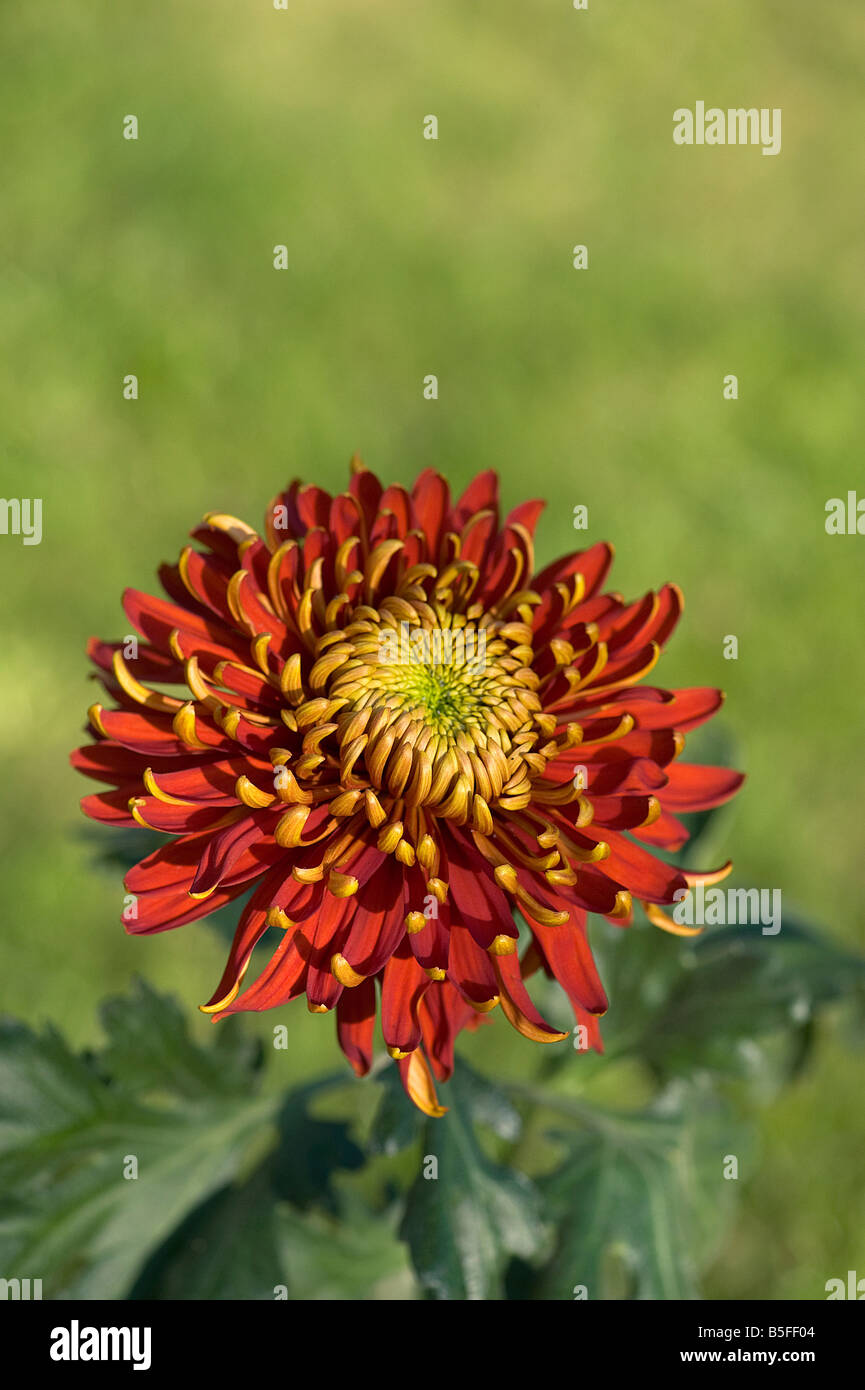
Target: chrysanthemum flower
x,y
391,809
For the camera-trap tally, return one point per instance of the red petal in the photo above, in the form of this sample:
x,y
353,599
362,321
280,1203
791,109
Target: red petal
x,y
222,850
111,808
476,899
481,494
469,967
378,924
694,788
431,500
517,1005
636,870
566,951
403,986
355,1025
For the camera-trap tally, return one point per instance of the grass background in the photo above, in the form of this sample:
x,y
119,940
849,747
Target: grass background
x,y
409,257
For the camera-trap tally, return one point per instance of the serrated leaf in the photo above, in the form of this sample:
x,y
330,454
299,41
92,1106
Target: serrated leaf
x,y
225,1249
70,1130
464,1224
310,1151
736,985
637,1201
149,1047
397,1123
487,1104
358,1257
244,1243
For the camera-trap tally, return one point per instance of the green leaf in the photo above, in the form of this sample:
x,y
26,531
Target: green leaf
x,y
149,1049
639,1200
735,986
73,1128
243,1243
463,1224
225,1249
311,1151
397,1123
357,1257
487,1104
732,1002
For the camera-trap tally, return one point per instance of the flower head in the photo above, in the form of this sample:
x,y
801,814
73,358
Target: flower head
x,y
396,733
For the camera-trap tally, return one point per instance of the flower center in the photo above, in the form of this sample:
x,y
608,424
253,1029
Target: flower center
x,y
441,700
434,708
442,676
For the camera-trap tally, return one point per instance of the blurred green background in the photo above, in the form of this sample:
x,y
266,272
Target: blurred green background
x,y
409,257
